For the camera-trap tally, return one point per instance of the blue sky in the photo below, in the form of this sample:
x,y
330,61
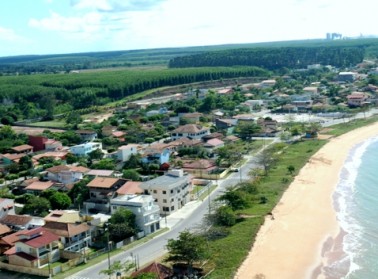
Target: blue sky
x,y
69,26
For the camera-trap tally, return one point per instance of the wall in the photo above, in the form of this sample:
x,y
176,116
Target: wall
x,y
27,270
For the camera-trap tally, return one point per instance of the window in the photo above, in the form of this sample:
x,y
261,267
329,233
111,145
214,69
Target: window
x,y
165,208
172,208
155,191
164,201
164,192
171,191
172,199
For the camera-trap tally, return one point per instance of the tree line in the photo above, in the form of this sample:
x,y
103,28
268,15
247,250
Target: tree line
x,y
274,58
34,96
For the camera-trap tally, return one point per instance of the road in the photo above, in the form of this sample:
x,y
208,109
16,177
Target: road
x,y
155,248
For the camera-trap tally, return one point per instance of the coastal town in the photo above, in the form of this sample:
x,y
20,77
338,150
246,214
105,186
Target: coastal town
x,y
100,183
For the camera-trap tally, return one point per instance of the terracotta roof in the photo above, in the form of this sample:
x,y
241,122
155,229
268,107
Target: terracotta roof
x,y
16,220
21,148
232,138
199,164
214,142
102,182
40,185
4,229
190,128
129,188
12,238
29,181
160,270
118,134
39,237
63,216
10,251
56,154
13,157
66,229
60,168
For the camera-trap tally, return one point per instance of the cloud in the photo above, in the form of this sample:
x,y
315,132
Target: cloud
x,y
9,35
90,22
115,6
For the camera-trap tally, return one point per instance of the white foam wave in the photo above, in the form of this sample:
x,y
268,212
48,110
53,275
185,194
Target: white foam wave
x,y
344,205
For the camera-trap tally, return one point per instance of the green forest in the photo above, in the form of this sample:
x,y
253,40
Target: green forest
x,y
274,58
45,95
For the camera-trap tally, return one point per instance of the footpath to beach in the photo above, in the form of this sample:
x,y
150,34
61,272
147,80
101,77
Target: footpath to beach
x,y
305,238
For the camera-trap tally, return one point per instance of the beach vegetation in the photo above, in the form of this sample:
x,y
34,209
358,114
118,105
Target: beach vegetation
x,y
188,248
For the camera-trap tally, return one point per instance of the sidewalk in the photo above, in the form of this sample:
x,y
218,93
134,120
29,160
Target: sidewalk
x,y
171,220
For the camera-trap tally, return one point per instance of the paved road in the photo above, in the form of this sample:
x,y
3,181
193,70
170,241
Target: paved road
x,y
190,217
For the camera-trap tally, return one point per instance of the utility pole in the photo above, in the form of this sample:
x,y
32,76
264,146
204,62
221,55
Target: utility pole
x,y
108,244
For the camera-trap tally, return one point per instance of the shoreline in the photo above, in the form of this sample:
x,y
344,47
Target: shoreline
x,y
305,238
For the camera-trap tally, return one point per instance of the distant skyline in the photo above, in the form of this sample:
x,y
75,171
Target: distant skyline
x,y
71,26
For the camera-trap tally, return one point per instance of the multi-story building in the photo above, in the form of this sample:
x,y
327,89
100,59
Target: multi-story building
x,y
146,212
170,191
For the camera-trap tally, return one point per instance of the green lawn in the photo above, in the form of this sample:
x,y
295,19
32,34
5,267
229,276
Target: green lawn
x,y
239,241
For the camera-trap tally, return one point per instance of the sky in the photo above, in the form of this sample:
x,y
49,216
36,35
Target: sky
x,y
71,26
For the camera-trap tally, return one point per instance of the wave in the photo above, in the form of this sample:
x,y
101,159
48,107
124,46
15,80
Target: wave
x,y
345,205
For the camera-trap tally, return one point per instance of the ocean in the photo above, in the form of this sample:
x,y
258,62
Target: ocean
x,y
356,204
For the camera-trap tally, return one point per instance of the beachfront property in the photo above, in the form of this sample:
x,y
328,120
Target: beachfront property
x,y
170,191
146,212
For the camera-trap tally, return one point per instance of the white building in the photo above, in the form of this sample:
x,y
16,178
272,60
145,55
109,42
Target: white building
x,y
170,191
85,148
125,151
190,131
146,212
66,174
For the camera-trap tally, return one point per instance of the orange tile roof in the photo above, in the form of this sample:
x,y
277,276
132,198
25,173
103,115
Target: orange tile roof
x,y
102,182
40,185
4,229
66,229
129,188
23,147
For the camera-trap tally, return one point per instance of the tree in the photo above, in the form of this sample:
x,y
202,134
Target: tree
x,y
60,201
188,248
131,174
96,154
6,132
105,164
25,163
225,216
117,267
266,158
122,224
36,206
79,192
245,129
290,169
234,198
133,162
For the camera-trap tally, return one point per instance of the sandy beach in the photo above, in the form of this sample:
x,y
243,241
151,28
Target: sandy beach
x,y
305,238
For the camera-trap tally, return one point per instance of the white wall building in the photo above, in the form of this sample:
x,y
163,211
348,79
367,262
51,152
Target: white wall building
x,y
124,152
146,212
170,191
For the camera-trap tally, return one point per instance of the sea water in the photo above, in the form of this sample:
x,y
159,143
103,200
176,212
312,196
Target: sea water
x,y
356,203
